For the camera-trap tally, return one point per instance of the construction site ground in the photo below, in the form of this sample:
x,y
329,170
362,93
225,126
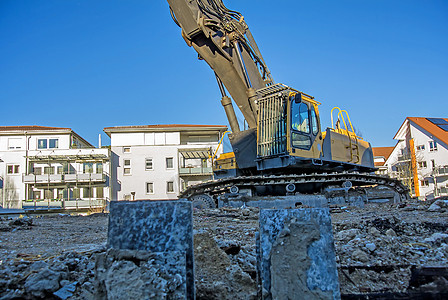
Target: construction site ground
x,y
377,247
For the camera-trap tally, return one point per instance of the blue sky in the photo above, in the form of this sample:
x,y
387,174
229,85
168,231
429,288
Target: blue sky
x,y
90,64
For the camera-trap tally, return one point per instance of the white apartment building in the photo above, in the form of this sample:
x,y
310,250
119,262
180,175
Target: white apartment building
x,y
420,158
51,167
156,162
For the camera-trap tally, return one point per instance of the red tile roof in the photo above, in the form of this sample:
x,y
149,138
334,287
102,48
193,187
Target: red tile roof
x,y
433,129
382,152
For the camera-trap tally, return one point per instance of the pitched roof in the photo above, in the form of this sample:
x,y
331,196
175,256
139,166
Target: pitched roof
x,y
382,152
428,126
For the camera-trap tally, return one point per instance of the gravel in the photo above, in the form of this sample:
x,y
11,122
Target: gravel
x,y
53,257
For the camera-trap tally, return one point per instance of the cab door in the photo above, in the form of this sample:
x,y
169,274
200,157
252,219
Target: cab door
x,y
305,137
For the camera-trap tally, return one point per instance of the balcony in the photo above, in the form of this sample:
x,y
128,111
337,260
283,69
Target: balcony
x,y
195,171
441,171
62,178
443,191
404,158
46,204
85,177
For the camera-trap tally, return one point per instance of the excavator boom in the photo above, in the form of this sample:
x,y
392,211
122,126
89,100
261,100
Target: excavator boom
x,y
222,38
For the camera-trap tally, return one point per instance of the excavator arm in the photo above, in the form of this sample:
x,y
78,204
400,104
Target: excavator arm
x,y
222,38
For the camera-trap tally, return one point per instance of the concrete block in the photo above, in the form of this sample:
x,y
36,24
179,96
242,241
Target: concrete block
x,y
296,257
155,226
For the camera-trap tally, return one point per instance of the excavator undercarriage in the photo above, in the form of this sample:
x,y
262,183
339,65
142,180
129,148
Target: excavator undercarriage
x,y
331,185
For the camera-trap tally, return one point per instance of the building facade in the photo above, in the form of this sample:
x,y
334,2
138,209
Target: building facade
x,y
420,157
156,162
380,156
51,167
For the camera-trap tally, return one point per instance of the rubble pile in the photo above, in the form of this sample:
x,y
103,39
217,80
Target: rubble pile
x,y
23,223
56,277
377,249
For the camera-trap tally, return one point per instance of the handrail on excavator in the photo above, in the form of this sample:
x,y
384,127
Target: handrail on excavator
x,y
219,144
341,116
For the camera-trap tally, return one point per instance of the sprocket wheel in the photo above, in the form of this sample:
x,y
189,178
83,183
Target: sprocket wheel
x,y
202,201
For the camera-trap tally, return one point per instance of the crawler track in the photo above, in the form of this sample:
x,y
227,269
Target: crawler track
x,y
314,181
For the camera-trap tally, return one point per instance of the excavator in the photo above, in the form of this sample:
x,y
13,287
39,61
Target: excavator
x,y
282,150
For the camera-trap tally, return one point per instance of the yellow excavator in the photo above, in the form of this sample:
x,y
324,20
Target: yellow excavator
x,y
283,151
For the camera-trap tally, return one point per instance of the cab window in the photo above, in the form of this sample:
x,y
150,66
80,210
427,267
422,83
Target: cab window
x,y
300,119
314,126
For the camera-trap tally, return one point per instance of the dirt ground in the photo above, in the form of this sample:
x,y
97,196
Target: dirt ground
x,y
376,248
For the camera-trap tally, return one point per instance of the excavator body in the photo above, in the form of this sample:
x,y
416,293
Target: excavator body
x,y
288,139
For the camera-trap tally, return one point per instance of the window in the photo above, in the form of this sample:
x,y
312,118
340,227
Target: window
x,y
300,120
87,192
37,170
314,124
148,164
169,163
301,124
47,143
170,187
87,168
422,164
49,194
14,144
420,147
53,143
42,144
149,188
432,146
100,192
99,168
68,168
59,170
76,193
424,182
126,149
35,195
127,167
300,141
48,170
13,169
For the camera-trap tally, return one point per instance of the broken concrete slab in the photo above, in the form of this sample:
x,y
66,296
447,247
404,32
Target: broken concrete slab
x,y
296,255
140,274
155,226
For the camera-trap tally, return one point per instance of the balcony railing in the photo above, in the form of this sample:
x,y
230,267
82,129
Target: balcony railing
x,y
195,171
61,178
441,171
404,158
64,204
443,191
